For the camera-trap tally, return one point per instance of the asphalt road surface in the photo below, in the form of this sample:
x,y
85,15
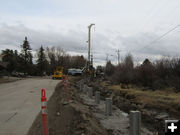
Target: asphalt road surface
x,y
20,104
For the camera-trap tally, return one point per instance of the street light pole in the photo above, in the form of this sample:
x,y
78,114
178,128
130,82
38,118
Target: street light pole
x,y
89,43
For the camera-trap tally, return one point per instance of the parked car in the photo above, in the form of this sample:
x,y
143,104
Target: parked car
x,y
17,74
74,71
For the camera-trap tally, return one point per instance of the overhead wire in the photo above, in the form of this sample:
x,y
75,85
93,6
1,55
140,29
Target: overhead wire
x,y
159,38
163,35
176,4
152,11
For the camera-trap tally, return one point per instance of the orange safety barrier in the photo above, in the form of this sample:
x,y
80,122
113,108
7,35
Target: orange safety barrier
x,y
65,81
44,112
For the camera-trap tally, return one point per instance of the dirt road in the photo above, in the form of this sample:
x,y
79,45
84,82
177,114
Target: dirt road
x,y
20,104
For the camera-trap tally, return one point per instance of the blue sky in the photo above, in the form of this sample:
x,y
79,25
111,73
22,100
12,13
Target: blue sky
x,y
128,25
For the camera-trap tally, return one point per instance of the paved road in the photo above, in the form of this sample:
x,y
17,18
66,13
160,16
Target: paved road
x,y
20,104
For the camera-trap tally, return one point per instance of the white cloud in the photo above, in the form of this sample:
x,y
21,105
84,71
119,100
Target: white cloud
x,y
73,42
125,25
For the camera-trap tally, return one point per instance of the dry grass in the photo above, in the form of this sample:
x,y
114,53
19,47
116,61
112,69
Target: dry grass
x,y
161,99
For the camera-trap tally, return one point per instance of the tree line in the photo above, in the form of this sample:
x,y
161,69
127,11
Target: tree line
x,y
154,75
44,62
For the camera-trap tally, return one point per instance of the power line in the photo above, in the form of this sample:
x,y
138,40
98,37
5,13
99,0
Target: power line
x,y
174,6
107,56
165,34
154,41
155,8
161,8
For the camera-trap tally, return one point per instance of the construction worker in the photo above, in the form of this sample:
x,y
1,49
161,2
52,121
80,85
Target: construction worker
x,y
94,74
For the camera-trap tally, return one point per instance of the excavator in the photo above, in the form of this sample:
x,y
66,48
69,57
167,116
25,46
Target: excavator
x,y
58,73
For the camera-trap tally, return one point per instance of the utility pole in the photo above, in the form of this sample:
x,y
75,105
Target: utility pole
x,y
118,53
91,60
89,43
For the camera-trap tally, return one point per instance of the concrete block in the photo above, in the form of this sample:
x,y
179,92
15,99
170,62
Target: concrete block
x,y
108,106
81,87
85,87
90,92
135,123
97,97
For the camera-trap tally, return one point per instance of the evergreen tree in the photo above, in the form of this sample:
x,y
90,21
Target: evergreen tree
x,y
9,57
16,56
41,61
27,56
109,68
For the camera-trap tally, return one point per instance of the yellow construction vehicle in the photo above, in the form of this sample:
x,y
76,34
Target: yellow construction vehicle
x,y
58,73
